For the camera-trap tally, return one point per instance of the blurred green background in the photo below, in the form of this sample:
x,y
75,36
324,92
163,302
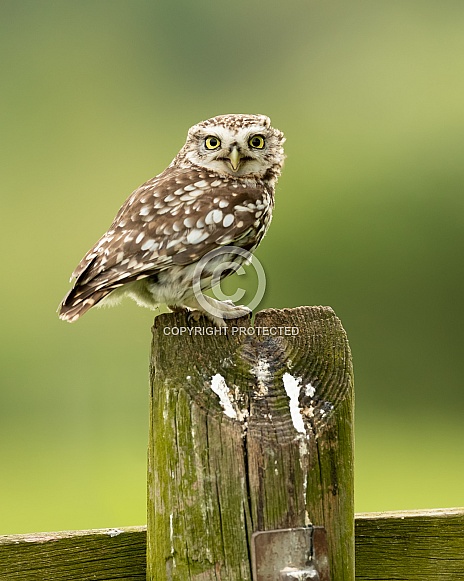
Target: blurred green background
x,y
96,97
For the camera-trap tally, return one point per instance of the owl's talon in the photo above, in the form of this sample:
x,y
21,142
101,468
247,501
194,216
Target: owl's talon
x,y
178,309
243,312
194,316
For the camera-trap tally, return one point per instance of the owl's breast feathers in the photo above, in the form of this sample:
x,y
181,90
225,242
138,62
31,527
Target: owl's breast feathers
x,y
172,220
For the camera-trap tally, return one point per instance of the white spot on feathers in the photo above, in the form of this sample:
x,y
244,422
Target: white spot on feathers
x,y
189,222
195,236
248,208
228,220
149,244
217,216
172,243
209,217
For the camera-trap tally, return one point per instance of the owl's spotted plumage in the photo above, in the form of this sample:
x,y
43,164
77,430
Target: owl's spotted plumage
x,y
217,192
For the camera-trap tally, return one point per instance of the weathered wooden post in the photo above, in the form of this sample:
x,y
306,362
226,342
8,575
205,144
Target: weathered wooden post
x,y
250,430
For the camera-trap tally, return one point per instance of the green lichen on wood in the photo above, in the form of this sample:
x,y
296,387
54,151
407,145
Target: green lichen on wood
x,y
97,555
415,545
190,533
214,479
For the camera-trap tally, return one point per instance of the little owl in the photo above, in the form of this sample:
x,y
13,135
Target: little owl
x,y
218,193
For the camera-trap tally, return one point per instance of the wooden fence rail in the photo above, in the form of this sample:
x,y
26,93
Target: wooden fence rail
x,y
406,546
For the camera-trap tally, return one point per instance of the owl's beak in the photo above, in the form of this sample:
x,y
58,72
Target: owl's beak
x,y
235,158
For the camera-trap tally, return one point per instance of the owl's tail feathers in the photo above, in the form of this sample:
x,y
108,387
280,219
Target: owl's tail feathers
x,y
78,301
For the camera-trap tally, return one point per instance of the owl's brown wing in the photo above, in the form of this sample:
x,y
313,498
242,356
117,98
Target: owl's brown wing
x,y
173,219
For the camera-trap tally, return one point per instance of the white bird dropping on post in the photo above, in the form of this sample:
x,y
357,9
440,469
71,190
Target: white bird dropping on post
x,y
292,389
219,386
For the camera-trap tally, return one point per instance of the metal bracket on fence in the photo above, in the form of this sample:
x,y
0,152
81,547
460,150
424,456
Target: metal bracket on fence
x,y
290,555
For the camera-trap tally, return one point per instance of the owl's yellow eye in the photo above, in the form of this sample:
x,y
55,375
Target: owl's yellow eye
x,y
212,142
256,141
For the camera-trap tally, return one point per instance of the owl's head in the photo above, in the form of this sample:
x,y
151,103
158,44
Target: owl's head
x,y
234,145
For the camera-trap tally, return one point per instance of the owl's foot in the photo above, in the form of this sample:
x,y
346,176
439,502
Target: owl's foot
x,y
178,309
194,315
217,311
